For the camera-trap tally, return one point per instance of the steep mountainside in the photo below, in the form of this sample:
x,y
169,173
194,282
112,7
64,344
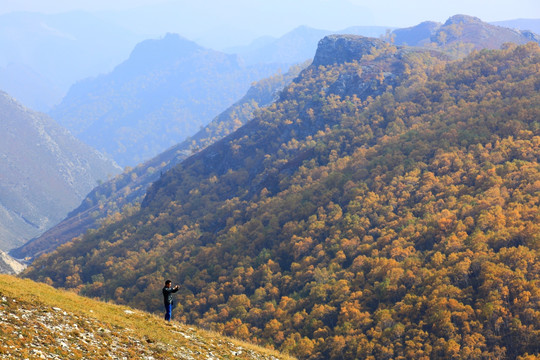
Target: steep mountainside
x,y
461,34
386,206
39,322
52,51
129,188
164,93
44,172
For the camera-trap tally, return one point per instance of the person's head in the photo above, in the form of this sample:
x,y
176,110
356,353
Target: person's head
x,y
168,283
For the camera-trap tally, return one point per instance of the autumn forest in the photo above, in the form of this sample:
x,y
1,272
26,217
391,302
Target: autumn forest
x,y
386,206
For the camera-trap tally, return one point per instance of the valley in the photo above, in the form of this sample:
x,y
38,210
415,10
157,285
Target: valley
x,y
375,197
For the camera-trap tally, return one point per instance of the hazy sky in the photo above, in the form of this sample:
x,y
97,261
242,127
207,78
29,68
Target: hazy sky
x,y
248,19
384,12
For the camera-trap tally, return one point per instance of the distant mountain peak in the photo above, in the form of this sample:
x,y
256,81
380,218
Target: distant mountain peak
x,y
463,19
305,29
337,49
170,46
461,34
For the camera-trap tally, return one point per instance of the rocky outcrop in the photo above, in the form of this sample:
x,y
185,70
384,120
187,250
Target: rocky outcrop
x,y
339,49
381,63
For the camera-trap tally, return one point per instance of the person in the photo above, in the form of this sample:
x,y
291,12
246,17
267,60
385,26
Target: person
x,y
168,290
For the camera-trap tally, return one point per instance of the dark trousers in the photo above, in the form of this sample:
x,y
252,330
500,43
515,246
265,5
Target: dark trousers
x,y
168,312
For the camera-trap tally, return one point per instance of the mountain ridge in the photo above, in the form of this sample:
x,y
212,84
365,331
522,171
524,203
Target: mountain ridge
x,y
333,50
460,35
156,98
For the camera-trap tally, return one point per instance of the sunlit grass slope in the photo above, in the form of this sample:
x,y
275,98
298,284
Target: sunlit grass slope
x,y
38,321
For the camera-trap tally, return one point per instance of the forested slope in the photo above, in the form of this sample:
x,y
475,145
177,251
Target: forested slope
x,y
387,206
125,191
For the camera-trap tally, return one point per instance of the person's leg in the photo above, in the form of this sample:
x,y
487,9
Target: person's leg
x,y
168,311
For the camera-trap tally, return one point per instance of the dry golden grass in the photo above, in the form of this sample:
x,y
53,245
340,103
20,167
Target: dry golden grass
x,y
41,321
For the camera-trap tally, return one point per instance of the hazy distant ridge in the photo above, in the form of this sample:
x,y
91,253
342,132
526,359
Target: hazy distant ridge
x,y
44,172
164,92
461,34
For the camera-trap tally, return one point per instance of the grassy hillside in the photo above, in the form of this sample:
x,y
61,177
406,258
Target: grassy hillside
x,y
37,320
387,206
